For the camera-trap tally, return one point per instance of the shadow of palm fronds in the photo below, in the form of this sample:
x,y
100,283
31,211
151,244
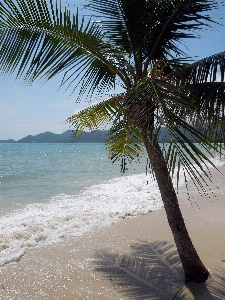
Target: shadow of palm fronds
x,y
153,271
149,271
212,289
217,287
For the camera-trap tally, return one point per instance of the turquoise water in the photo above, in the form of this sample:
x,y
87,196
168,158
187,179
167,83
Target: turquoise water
x,y
51,191
36,172
31,173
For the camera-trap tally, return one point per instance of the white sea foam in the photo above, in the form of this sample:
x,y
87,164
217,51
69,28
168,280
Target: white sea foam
x,y
74,215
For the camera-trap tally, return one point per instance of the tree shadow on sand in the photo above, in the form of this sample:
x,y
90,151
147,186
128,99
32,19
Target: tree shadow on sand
x,y
153,271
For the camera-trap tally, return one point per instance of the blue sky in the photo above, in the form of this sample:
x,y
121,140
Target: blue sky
x,y
31,110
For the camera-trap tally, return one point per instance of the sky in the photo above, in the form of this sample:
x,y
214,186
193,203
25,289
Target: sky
x,y
29,110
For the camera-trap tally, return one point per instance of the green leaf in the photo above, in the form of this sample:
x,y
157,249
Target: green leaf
x,y
124,140
39,43
96,115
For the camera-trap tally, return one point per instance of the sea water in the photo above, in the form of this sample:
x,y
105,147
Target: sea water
x,y
51,191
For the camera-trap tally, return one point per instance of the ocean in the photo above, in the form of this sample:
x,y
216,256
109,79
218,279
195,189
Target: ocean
x,y
51,191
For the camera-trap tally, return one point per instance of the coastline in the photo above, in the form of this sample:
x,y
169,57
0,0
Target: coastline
x,y
132,259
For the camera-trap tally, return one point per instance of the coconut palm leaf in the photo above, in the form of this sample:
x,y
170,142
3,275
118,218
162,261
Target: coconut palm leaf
x,y
128,24
40,43
184,136
208,69
203,81
124,140
97,115
176,110
210,105
113,25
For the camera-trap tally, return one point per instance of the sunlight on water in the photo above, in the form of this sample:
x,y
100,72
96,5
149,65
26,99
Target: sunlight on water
x,y
49,191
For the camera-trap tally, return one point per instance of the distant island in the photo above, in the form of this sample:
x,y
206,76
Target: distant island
x,y
97,136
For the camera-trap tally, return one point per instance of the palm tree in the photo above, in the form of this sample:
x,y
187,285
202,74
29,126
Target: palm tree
x,y
132,45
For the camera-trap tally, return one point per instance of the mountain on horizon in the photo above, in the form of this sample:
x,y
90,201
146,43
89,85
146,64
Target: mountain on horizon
x,y
97,136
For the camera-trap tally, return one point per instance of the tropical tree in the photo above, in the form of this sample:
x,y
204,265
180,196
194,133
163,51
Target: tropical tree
x,y
133,45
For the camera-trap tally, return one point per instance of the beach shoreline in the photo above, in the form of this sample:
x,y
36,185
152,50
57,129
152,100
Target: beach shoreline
x,y
132,259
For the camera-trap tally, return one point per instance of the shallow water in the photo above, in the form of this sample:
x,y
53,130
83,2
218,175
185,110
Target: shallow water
x,y
49,191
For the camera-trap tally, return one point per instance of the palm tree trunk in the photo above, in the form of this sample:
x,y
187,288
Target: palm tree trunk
x,y
194,270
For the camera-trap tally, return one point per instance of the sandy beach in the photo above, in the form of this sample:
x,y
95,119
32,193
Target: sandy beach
x,y
134,259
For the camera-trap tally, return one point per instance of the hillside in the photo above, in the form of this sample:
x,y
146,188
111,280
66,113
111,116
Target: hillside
x,y
97,136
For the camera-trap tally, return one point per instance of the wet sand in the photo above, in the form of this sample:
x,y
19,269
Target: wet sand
x,y
133,259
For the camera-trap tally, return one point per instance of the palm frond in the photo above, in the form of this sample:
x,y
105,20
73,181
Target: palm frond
x,y
124,140
109,15
96,115
173,21
203,82
151,29
179,114
210,106
209,69
38,42
184,136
